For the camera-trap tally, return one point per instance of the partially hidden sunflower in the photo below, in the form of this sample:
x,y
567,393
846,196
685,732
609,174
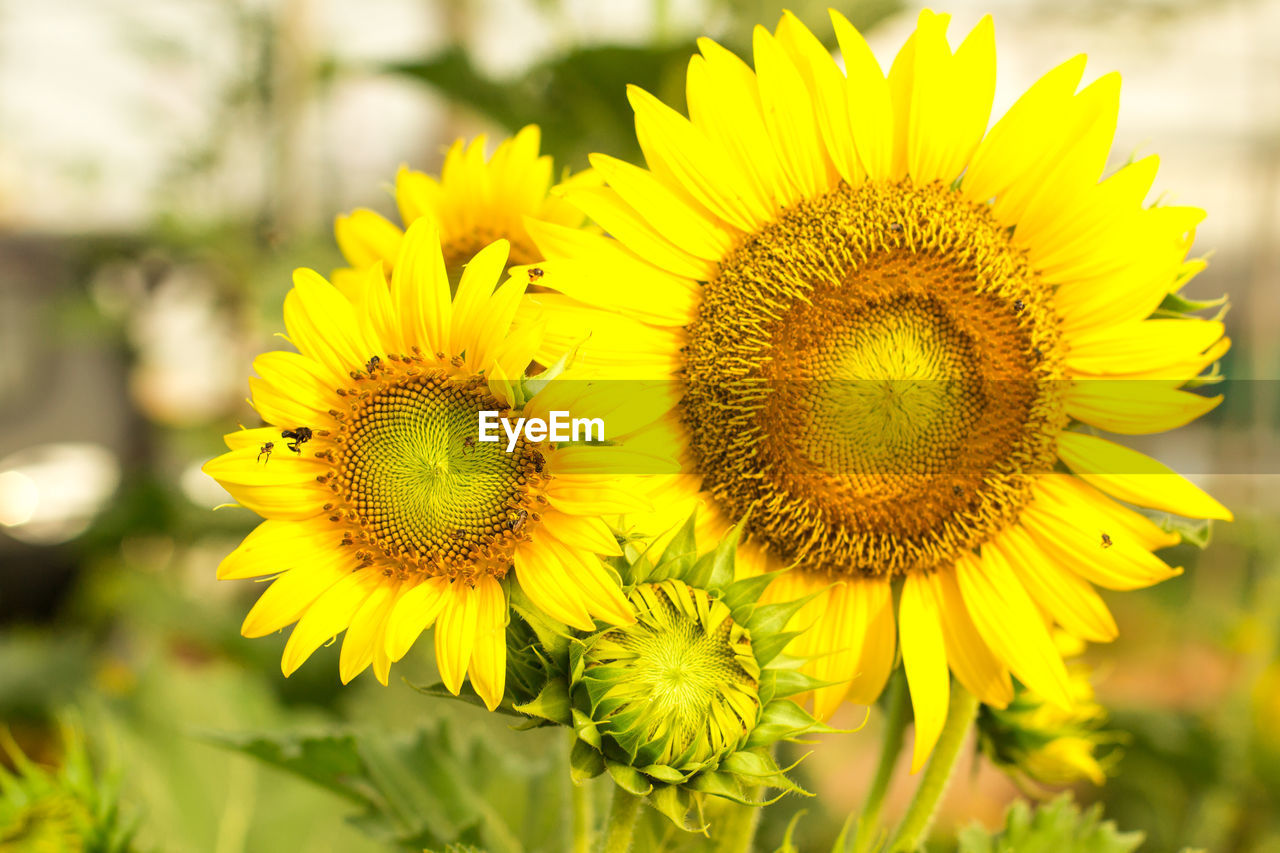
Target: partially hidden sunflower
x,y
474,202
383,512
896,332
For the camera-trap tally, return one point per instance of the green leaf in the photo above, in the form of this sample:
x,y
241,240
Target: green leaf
x,y
424,789
1057,827
581,88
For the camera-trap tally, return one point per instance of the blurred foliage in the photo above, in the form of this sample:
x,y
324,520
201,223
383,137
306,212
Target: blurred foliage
x,y
426,789
1057,827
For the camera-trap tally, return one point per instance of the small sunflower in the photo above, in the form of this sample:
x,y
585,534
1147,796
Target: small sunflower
x,y
383,512
894,330
473,203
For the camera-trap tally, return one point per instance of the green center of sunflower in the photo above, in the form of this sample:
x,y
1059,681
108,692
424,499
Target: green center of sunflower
x,y
677,688
875,373
417,490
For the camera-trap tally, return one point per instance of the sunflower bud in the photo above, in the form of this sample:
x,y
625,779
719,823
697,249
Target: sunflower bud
x,y
678,688
685,703
1049,745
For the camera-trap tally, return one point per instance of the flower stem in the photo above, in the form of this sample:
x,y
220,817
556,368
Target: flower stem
x,y
582,810
895,725
915,826
738,827
622,821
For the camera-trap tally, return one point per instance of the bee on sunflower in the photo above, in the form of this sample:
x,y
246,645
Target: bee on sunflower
x,y
896,331
383,514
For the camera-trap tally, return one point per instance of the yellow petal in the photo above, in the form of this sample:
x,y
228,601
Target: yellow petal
x,y
1136,478
690,228
870,108
489,654
724,104
322,325
578,531
1010,624
549,588
475,290
1135,407
456,633
365,632
366,238
828,90
981,673
789,116
280,486
276,546
289,596
420,289
328,616
1066,596
622,221
1145,346
924,657
414,611
1019,141
952,99
1075,541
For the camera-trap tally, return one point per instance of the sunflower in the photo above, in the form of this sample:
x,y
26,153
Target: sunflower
x,y
383,513
473,203
896,332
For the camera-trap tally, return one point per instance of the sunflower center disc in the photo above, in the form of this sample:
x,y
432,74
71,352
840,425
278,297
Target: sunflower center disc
x,y
874,374
679,686
420,488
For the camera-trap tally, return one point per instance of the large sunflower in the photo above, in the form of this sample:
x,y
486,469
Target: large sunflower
x,y
892,328
386,515
474,202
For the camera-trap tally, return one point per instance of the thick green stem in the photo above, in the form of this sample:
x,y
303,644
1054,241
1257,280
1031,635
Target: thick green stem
x,y
622,821
895,725
737,828
583,812
915,826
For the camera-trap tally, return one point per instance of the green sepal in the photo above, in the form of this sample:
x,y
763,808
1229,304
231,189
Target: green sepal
x,y
676,804
551,703
741,596
783,719
586,728
769,646
584,762
680,554
629,779
784,683
772,618
715,570
530,386
664,773
1179,306
553,636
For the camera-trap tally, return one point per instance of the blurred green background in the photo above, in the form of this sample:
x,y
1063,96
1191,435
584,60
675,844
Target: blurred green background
x,y
164,164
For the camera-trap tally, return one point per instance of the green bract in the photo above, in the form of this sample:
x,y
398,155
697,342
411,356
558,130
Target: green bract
x,y
689,701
